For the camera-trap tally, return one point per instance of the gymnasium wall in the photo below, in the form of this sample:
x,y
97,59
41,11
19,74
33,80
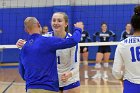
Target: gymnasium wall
x,y
116,13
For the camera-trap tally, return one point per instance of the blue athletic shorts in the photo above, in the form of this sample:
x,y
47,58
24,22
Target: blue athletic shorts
x,y
130,87
70,86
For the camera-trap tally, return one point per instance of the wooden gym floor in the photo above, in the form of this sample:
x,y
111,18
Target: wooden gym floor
x,y
9,76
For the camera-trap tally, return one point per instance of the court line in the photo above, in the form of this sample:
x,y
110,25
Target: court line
x,y
8,86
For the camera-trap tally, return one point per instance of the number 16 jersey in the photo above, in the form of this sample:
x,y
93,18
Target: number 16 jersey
x,y
127,55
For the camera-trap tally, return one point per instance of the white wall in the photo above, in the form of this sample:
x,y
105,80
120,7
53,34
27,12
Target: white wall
x,y
25,3
105,2
47,3
61,2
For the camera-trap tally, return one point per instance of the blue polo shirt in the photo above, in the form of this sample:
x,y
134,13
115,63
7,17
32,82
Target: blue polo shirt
x,y
38,66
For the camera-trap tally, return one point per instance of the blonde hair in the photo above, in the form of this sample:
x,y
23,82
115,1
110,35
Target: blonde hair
x,y
29,22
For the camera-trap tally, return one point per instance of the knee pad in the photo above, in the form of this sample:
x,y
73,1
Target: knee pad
x,y
98,65
106,65
85,62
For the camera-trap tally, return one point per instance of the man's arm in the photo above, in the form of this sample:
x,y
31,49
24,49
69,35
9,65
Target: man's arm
x,y
21,68
60,43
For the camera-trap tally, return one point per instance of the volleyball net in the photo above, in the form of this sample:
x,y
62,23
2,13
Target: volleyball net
x,y
12,48
79,45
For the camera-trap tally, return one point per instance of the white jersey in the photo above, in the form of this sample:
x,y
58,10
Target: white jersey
x,y
48,34
127,55
67,60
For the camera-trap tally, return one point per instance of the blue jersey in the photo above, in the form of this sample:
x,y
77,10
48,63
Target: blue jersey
x,y
104,36
38,66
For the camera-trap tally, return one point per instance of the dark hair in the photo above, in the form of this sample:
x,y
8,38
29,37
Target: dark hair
x,y
103,23
45,26
128,23
135,20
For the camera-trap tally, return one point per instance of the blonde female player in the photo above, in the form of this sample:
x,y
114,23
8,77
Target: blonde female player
x,y
68,64
67,61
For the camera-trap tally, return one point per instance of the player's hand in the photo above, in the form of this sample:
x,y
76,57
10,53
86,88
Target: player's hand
x,y
65,76
85,49
79,25
20,43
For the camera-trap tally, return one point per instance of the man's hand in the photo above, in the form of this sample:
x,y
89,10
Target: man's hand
x,y
20,43
79,25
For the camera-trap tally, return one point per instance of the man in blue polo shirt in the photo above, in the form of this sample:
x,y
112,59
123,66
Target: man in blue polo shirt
x,y
38,66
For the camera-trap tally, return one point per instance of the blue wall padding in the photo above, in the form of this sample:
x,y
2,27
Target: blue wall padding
x,y
12,22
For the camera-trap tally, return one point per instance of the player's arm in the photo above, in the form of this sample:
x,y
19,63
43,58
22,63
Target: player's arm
x,y
95,36
75,59
74,67
66,75
68,42
118,64
88,37
113,35
122,35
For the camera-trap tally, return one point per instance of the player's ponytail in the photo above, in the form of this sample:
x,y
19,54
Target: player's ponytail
x,y
135,20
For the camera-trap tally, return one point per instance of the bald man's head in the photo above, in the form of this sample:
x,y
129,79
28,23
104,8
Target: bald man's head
x,y
31,24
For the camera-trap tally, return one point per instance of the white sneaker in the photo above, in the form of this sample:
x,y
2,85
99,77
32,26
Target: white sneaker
x,y
85,75
105,77
97,76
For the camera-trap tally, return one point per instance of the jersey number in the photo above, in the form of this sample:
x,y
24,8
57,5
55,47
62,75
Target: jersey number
x,y
135,53
58,59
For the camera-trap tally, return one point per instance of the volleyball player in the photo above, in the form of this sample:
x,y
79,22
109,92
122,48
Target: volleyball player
x,y
67,61
103,51
127,55
38,56
127,32
45,31
84,50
